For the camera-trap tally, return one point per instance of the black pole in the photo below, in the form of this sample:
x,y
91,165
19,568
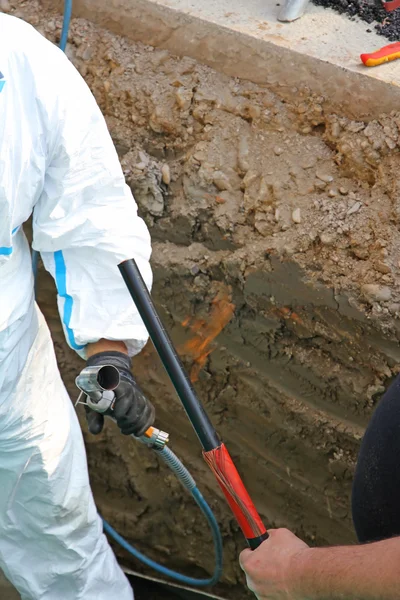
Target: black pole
x,y
137,288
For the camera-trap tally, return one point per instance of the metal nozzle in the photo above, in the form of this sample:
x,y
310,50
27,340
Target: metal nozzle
x,y
98,383
292,10
94,380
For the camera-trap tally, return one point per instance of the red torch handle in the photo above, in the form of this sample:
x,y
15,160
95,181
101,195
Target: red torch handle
x,y
222,465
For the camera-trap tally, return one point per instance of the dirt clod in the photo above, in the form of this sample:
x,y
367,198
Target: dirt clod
x,y
376,292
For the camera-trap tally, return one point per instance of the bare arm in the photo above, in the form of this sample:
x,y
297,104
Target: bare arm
x,y
105,346
284,568
370,571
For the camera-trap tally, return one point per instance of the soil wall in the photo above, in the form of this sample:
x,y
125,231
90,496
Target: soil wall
x,y
284,217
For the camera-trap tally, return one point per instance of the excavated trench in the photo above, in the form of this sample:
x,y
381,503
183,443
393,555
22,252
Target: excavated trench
x,y
275,229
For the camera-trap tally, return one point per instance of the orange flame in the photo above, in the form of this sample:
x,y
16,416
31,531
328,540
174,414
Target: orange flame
x,y
199,347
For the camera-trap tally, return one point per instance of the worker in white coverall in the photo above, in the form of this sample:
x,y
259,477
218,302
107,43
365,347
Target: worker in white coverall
x,y
58,162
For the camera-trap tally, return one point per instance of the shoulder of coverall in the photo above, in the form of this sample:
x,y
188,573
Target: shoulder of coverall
x,y
40,65
18,38
28,49
29,57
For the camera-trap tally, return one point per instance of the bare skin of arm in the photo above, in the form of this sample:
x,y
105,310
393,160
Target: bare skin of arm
x,y
285,568
105,346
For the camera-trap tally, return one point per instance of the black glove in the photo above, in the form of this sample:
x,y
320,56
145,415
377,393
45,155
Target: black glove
x,y
131,410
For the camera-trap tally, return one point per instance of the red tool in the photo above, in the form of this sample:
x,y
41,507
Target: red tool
x,y
214,451
385,54
391,5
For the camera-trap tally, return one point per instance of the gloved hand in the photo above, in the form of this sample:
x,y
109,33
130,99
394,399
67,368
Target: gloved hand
x,y
131,410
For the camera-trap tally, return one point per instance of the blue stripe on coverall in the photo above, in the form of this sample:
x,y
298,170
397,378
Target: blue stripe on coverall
x,y
7,250
61,283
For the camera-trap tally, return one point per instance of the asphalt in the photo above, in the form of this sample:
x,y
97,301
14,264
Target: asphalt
x,y
384,23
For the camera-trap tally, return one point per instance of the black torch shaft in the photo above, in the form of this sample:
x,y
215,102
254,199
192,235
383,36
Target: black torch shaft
x,y
137,288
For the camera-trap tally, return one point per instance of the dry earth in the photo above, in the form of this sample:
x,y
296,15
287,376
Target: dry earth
x,y
291,214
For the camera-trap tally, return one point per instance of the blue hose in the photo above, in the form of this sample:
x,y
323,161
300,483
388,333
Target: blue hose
x,y
207,512
66,22
186,479
168,456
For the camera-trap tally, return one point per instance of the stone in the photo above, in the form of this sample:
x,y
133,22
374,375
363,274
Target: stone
x,y
323,176
382,267
394,307
320,185
390,143
166,174
335,129
221,181
243,154
183,98
376,293
5,6
361,253
354,208
86,53
296,216
327,239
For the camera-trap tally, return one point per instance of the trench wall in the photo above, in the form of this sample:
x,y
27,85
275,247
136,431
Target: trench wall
x,y
286,212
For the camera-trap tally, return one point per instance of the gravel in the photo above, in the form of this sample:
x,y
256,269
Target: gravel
x,y
386,24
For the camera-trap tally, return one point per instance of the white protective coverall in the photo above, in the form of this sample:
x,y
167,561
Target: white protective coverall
x,y
57,160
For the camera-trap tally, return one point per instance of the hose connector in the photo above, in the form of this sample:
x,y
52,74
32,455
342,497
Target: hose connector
x,y
155,438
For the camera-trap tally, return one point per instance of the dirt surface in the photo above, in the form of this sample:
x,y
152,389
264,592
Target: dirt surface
x,y
7,592
287,212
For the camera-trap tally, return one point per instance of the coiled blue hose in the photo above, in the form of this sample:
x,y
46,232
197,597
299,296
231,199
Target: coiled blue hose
x,y
205,509
189,483
166,453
